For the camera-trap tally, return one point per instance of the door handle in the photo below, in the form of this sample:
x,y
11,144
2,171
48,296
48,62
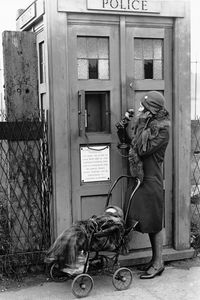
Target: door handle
x,y
81,113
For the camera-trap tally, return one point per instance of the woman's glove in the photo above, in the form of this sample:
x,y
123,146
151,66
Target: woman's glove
x,y
145,115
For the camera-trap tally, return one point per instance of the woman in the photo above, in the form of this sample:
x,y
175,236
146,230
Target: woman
x,y
151,136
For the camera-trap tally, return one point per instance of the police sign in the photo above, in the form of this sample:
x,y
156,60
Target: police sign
x,y
145,6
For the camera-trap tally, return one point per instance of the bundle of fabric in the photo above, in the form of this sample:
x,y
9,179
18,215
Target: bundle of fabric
x,y
110,230
105,233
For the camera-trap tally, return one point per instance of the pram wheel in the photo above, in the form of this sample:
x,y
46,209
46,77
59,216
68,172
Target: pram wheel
x,y
82,285
122,279
56,274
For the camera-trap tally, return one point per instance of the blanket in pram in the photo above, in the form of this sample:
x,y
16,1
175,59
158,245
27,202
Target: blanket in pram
x,y
98,233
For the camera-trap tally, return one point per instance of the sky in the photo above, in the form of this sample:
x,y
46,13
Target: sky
x,y
8,11
195,25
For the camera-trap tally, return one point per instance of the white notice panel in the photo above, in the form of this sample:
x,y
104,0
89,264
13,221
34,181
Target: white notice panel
x,y
95,163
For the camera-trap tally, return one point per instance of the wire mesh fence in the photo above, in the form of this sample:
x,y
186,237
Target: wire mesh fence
x,y
24,191
195,184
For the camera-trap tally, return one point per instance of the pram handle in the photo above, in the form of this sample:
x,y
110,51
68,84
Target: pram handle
x,y
132,194
112,187
130,199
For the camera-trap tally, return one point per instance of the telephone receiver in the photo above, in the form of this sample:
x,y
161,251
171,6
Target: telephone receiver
x,y
127,117
121,129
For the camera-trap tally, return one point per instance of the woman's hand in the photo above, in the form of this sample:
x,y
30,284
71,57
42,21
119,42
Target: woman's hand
x,y
145,115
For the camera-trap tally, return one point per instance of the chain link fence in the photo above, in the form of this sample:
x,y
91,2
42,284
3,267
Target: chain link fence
x,y
195,154
24,192
195,183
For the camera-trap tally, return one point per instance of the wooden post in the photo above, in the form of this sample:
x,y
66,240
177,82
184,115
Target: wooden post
x,y
21,101
20,73
182,131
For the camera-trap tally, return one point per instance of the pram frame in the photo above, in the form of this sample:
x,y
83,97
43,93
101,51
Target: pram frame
x,y
106,270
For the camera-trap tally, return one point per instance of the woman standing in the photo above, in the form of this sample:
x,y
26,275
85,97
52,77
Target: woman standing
x,y
151,137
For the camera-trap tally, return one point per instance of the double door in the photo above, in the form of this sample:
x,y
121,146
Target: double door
x,y
110,67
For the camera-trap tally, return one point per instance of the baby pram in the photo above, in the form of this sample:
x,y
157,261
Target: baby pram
x,y
94,258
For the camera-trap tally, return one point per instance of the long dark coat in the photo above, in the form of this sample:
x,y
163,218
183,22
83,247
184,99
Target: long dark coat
x,y
147,205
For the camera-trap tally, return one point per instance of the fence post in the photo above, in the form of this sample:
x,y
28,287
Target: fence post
x,y
21,101
20,73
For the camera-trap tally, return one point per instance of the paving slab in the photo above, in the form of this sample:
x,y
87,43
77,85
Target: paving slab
x,y
178,282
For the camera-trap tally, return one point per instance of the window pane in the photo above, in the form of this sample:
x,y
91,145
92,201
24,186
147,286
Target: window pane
x,y
148,48
148,55
103,47
148,69
82,69
138,48
157,69
97,111
139,69
103,69
92,48
93,57
158,49
41,62
82,48
93,69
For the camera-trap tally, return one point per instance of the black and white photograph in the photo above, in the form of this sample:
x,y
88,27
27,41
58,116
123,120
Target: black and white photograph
x,y
99,149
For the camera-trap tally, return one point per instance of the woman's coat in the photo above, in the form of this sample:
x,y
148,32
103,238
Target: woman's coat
x,y
147,205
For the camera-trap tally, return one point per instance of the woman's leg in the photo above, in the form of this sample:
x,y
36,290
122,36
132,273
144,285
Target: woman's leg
x,y
156,265
156,240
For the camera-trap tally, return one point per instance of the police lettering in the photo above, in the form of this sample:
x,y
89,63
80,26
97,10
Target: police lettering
x,y
133,5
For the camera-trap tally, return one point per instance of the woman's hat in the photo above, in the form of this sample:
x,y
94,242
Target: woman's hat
x,y
153,101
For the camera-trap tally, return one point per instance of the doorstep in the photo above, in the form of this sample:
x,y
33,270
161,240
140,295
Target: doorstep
x,y
142,256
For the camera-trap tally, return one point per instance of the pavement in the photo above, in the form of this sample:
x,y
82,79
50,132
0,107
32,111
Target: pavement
x,y
179,281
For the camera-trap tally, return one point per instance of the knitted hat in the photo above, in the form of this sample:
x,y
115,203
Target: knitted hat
x,y
153,101
114,211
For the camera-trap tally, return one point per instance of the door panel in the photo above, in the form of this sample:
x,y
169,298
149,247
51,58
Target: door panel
x,y
94,111
149,68
92,205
